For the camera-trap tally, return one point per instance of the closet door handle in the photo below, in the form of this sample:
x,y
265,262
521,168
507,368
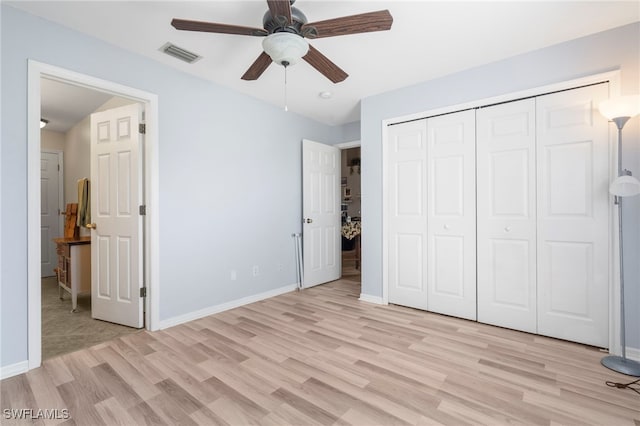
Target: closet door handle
x,y
91,226
308,220
507,229
446,226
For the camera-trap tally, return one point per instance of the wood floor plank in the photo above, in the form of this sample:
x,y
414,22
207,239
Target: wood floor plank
x,y
322,357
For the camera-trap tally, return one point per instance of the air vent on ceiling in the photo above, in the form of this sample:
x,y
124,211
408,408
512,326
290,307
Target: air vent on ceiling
x,y
180,53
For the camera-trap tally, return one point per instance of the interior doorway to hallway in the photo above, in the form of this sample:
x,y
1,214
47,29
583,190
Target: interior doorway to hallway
x,y
36,72
351,198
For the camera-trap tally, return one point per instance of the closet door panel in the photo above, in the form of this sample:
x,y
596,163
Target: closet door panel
x,y
407,214
451,245
573,254
506,195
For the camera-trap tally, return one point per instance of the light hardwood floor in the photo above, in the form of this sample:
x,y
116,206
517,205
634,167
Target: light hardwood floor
x,y
320,356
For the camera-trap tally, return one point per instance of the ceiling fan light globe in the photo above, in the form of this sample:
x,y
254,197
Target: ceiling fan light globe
x,y
285,48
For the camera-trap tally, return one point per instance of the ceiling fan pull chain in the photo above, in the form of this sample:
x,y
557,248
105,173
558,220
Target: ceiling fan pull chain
x,y
286,108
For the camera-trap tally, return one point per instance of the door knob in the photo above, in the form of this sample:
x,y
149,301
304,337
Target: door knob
x,y
507,228
91,226
308,220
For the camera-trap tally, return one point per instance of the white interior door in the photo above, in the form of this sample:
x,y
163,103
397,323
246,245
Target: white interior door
x,y
451,218
573,180
50,205
407,214
321,235
506,191
116,193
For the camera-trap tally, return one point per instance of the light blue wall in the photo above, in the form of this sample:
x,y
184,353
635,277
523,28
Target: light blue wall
x,y
615,49
230,185
350,132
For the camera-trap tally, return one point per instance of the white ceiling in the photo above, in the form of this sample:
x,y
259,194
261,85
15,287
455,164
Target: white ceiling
x,y
428,39
65,105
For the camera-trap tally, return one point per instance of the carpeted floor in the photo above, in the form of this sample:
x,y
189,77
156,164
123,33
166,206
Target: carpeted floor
x,y
63,331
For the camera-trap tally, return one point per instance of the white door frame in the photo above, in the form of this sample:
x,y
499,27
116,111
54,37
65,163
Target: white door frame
x,y
36,71
60,155
613,77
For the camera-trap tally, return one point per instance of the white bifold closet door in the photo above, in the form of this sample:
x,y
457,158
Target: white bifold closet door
x,y
506,193
573,209
407,214
542,181
431,214
451,217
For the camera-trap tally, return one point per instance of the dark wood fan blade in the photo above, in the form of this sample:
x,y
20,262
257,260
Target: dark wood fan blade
x,y
362,23
324,65
212,27
280,8
258,67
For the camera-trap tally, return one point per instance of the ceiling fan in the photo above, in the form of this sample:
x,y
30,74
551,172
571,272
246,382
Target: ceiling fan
x,y
284,30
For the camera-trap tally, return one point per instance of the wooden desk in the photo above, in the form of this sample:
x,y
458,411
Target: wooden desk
x,y
74,267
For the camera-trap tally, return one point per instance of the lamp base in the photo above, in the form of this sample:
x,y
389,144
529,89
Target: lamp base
x,y
622,365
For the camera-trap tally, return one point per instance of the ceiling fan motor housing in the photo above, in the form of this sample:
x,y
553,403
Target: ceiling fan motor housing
x,y
279,23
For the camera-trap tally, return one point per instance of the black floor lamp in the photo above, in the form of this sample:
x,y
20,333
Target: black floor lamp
x,y
620,110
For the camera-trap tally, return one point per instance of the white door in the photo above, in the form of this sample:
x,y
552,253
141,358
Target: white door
x,y
116,193
506,191
451,218
573,180
407,214
50,205
321,233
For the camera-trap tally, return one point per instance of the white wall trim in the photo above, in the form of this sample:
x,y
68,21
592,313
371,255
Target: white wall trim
x,y
14,369
211,310
371,299
613,77
347,145
634,354
37,70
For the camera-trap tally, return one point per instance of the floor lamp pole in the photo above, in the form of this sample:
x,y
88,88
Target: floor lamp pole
x,y
620,363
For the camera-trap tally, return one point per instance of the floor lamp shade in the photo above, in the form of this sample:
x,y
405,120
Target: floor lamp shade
x,y
621,106
625,186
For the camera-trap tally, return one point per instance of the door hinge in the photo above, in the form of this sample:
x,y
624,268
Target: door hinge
x,y
58,167
142,128
143,292
143,210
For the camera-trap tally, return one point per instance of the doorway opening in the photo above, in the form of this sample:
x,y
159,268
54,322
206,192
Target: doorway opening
x,y
351,228
67,321
37,74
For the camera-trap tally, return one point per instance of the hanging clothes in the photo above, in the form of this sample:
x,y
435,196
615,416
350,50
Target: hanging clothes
x,y
84,202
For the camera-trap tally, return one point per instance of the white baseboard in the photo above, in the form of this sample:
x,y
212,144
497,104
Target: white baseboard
x,y
181,319
371,299
14,369
633,353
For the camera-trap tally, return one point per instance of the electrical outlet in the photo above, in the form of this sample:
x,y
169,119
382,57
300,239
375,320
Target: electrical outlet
x,y
234,275
256,270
